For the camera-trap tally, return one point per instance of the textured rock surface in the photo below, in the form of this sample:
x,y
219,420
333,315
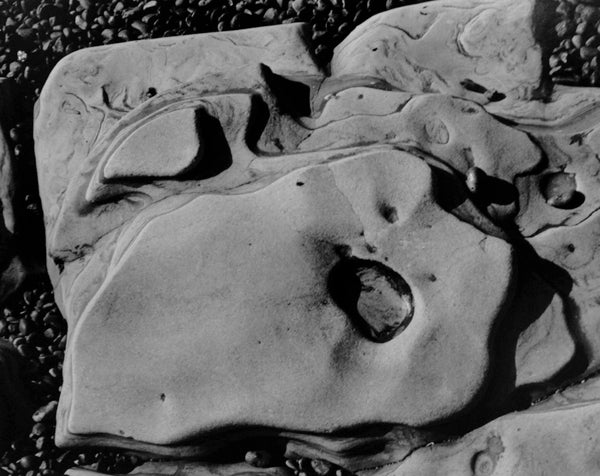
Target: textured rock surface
x,y
459,48
558,436
355,264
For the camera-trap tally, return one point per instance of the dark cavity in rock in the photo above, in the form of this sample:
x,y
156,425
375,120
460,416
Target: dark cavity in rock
x,y
377,299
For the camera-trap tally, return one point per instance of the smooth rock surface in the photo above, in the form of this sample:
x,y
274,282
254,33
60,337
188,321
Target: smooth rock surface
x,y
558,436
356,264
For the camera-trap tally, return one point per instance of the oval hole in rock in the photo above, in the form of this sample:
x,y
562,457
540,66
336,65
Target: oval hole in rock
x,y
560,190
377,299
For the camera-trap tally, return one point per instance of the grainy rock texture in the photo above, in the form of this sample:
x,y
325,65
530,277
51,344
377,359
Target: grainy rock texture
x,y
36,34
558,436
348,263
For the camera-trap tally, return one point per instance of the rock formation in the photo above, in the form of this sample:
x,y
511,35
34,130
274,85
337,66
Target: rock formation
x,y
372,263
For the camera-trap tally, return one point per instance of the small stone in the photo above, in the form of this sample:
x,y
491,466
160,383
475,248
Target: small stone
x,y
139,26
81,23
321,467
564,28
28,462
38,429
565,9
270,15
42,443
259,459
475,178
298,5
15,67
554,61
582,28
588,13
45,412
587,52
24,326
25,33
560,190
150,5
593,41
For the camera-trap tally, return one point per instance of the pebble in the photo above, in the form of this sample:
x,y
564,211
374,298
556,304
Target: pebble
x,y
259,459
299,5
38,429
321,467
29,462
587,52
475,179
45,412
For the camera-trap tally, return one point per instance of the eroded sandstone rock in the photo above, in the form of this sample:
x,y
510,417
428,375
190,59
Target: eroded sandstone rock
x,y
354,265
558,436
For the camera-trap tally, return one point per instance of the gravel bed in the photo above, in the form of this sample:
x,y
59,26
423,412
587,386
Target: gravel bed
x,y
575,61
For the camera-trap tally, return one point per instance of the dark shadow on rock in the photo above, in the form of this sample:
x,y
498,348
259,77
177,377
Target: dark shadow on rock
x,y
15,407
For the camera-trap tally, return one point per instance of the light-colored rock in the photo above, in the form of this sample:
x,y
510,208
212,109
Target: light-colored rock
x,y
466,48
316,217
559,436
369,273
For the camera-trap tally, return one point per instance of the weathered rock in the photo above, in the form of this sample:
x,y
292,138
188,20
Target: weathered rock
x,y
558,436
353,265
413,49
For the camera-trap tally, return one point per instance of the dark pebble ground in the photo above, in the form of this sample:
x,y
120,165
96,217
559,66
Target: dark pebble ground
x,y
576,58
35,34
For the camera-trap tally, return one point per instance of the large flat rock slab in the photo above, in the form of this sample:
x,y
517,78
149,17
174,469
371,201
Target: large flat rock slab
x,y
381,257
